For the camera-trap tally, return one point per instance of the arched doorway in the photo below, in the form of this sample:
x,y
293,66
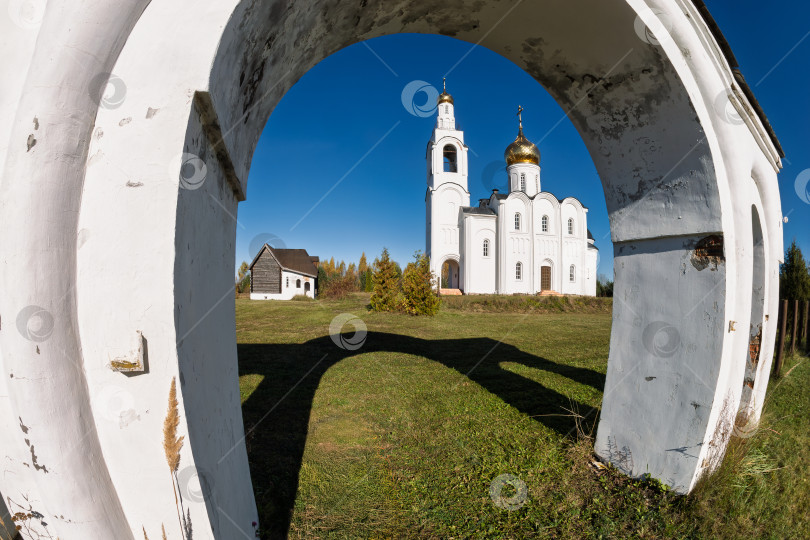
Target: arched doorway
x,y
655,121
450,275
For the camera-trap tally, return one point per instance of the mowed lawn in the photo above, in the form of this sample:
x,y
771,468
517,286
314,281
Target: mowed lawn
x,y
404,436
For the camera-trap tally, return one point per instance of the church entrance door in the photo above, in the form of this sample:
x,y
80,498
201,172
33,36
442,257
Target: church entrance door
x,y
545,278
449,276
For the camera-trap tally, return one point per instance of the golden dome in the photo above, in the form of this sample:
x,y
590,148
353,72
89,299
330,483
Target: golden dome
x,y
444,97
522,150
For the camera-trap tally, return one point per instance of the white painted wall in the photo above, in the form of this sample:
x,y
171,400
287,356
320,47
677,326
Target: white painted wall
x,y
479,271
289,287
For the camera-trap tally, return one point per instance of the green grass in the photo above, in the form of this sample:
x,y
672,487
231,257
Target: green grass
x,y
403,437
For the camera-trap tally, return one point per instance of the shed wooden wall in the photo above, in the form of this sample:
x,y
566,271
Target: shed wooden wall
x,y
266,275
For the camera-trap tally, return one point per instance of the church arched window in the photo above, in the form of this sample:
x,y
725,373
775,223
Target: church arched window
x,y
486,248
450,159
544,224
572,273
447,109
522,181
570,225
519,271
517,221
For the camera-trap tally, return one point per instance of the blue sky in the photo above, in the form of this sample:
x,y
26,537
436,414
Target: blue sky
x,y
342,136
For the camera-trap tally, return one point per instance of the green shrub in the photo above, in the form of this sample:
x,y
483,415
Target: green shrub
x,y
419,297
386,284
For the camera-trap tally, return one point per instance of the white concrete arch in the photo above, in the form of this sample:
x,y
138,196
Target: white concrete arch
x,y
99,183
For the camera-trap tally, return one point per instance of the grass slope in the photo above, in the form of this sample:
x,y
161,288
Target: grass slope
x,y
404,436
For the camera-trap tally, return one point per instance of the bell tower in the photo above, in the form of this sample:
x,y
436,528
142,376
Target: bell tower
x,y
446,190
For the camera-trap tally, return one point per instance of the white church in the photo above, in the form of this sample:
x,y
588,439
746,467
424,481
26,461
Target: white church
x,y
523,242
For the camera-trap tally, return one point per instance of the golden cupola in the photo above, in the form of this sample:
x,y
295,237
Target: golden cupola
x,y
444,97
522,150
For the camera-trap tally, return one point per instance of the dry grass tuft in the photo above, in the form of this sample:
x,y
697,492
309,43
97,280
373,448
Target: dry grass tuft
x,y
171,442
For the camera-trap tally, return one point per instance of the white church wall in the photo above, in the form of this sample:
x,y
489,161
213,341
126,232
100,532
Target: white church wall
x,y
517,247
446,201
589,284
545,206
479,271
573,247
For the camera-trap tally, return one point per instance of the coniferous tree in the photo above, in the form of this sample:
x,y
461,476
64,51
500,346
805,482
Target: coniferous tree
x,y
362,266
386,283
794,277
417,287
323,279
369,281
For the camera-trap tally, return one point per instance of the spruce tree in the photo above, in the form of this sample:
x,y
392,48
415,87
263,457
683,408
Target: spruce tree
x,y
386,284
794,278
417,287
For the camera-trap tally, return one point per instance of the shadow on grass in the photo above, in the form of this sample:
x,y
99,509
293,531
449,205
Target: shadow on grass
x,y
277,413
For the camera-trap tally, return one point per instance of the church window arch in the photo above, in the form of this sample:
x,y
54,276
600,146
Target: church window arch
x,y
517,221
522,181
450,158
570,225
572,273
544,224
519,271
485,248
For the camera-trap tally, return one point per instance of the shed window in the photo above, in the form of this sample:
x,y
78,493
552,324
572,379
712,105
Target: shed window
x,y
519,271
544,224
450,159
570,225
517,221
297,283
486,248
288,282
571,273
